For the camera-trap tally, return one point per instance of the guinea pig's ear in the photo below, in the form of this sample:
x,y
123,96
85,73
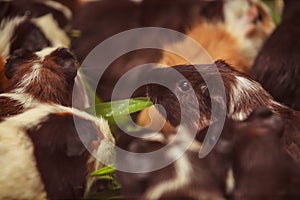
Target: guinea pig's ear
x,y
260,113
266,118
67,60
17,58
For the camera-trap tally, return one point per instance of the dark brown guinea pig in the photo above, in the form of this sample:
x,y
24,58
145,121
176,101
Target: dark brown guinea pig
x,y
261,168
277,64
185,177
243,95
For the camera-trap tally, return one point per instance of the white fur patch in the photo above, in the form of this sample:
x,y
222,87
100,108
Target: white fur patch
x,y
245,83
40,111
183,171
19,176
240,91
52,31
137,1
28,79
7,28
60,7
45,52
230,182
25,100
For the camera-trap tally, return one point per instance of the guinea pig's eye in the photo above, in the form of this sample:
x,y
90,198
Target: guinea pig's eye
x,y
184,86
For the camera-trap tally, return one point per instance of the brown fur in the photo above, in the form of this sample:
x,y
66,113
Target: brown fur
x,y
216,41
9,107
243,95
261,167
61,157
55,80
250,149
3,79
206,179
277,64
26,34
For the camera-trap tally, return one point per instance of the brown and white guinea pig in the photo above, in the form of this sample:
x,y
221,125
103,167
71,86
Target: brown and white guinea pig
x,y
31,25
47,75
261,168
250,23
43,76
47,152
236,39
243,95
277,64
187,177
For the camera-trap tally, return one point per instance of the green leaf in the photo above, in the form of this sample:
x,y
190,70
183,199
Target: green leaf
x,y
75,33
275,7
106,177
121,107
103,171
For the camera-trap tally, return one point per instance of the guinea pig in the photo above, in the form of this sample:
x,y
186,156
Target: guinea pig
x,y
261,168
49,75
47,152
250,23
243,95
187,177
236,38
277,64
31,25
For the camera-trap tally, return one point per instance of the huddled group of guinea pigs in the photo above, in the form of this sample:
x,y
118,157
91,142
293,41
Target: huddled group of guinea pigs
x,y
49,145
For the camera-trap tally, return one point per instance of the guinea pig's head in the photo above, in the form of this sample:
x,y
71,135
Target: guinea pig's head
x,y
184,93
48,75
190,92
257,137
